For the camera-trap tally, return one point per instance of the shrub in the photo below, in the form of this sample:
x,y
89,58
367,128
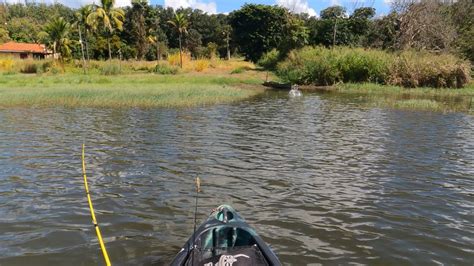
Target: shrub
x,y
200,65
111,68
310,66
238,70
30,68
6,65
422,69
212,50
174,59
165,69
270,60
322,66
360,65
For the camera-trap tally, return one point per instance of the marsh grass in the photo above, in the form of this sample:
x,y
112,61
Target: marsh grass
x,y
144,91
427,99
323,66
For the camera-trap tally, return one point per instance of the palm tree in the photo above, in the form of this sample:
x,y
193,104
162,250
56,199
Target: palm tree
x,y
82,14
181,24
107,15
58,30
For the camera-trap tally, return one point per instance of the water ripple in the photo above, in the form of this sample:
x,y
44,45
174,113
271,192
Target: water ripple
x,y
321,180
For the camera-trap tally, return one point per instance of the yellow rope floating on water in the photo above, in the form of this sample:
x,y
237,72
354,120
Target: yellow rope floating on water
x,y
94,220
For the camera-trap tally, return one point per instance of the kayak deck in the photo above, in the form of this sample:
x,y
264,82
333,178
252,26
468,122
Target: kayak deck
x,y
225,239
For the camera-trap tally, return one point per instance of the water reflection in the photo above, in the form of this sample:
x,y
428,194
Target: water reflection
x,y
323,181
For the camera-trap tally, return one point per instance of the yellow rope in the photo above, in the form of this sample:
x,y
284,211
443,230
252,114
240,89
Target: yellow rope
x,y
94,221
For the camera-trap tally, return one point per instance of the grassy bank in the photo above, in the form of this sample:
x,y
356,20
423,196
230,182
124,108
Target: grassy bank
x,y
428,99
138,90
126,83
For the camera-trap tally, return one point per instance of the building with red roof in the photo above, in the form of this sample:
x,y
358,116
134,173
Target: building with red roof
x,y
24,50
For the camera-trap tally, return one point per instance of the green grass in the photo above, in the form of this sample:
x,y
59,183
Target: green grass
x,y
145,91
427,99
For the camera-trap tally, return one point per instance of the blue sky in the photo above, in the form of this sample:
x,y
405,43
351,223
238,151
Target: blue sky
x,y
224,6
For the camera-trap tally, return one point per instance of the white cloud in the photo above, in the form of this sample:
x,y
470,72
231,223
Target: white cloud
x,y
73,3
297,6
122,3
209,7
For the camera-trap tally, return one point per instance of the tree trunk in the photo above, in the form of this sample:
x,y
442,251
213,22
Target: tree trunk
x,y
54,51
180,52
108,44
82,49
228,48
334,36
87,45
158,52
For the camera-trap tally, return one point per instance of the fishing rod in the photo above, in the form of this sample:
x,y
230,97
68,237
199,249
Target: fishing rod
x,y
198,189
94,220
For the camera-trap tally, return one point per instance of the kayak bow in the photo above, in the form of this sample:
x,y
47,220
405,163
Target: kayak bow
x,y
225,239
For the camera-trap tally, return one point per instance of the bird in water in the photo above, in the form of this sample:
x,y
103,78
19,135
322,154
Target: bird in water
x,y
295,92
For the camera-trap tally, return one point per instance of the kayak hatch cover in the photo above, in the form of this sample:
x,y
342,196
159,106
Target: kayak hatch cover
x,y
225,239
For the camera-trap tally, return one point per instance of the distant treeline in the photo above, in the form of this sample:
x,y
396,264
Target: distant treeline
x,y
145,32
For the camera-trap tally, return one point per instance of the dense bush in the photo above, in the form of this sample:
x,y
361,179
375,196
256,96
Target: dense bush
x,y
201,65
34,66
310,65
323,66
174,58
165,69
29,68
270,60
111,68
417,69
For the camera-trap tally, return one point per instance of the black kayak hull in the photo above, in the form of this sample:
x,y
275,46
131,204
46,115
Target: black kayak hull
x,y
225,239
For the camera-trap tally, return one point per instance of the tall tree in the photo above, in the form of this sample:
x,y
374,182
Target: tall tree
x,y
226,31
296,35
139,27
81,15
58,30
382,32
109,17
258,29
462,16
423,25
181,24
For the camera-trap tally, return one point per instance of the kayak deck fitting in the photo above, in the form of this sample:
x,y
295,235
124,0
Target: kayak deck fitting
x,y
225,239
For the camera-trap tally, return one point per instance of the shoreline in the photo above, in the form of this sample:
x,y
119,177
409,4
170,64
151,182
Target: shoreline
x,y
215,86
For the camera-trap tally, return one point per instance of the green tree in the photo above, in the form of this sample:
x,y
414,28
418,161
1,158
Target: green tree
x,y
109,17
360,23
181,24
23,29
462,16
333,12
296,35
58,30
138,26
382,32
81,15
258,29
194,42
4,35
226,31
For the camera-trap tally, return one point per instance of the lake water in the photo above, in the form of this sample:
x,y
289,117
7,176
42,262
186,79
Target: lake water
x,y
322,180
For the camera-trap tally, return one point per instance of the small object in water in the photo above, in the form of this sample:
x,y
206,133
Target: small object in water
x,y
295,92
225,239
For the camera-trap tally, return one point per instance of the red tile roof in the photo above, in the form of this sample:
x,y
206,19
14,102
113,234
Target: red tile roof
x,y
17,47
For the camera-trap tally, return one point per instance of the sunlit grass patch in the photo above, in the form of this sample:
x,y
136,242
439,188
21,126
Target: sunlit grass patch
x,y
145,91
